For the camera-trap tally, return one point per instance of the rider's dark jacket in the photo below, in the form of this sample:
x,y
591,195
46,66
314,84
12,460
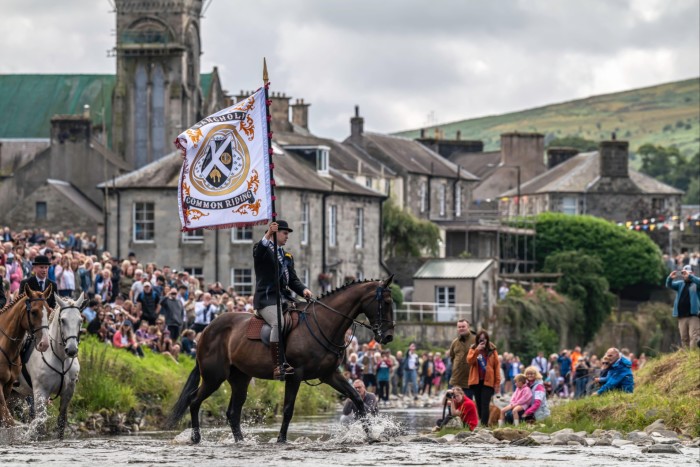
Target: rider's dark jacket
x,y
34,285
265,290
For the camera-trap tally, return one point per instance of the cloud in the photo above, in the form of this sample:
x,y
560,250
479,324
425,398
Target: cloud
x,y
399,60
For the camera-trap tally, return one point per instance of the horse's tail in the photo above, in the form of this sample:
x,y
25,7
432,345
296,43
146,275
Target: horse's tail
x,y
183,402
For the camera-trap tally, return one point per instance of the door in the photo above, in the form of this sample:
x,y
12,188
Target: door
x,y
445,303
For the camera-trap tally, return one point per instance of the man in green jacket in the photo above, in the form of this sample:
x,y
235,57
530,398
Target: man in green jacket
x,y
458,354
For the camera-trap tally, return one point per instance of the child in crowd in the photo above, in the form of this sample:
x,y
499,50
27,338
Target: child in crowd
x,y
519,402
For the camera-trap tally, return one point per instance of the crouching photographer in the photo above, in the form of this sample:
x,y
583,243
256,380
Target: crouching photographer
x,y
457,404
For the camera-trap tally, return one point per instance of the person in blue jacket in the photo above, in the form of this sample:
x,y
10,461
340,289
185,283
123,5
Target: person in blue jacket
x,y
686,307
619,376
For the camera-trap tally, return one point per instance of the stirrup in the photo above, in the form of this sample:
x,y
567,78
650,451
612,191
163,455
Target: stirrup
x,y
288,369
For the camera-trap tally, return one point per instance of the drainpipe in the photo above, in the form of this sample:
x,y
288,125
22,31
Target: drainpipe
x,y
216,255
475,322
119,223
430,190
324,197
381,239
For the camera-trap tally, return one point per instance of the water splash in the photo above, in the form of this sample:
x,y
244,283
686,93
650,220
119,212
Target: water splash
x,y
379,428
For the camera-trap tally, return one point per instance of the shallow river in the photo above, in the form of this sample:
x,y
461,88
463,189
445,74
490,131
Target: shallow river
x,y
344,446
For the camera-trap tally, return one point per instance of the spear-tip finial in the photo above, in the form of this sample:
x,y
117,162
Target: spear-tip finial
x,y
266,78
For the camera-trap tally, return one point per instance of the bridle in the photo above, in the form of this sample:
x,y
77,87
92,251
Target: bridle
x,y
64,340
31,330
326,342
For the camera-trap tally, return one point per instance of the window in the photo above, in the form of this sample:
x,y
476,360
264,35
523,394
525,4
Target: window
x,y
360,276
41,210
242,280
458,200
242,235
658,205
306,277
368,182
196,272
569,205
305,223
360,228
144,222
423,197
193,236
443,201
445,301
322,160
332,226
485,295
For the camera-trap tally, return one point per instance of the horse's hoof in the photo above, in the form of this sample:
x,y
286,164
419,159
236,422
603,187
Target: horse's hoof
x,y
282,440
196,436
238,437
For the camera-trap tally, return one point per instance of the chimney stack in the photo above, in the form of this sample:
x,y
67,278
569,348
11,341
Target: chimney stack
x,y
300,114
557,155
614,159
357,126
525,150
70,128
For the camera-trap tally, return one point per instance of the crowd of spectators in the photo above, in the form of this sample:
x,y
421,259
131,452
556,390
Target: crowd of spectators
x,y
131,304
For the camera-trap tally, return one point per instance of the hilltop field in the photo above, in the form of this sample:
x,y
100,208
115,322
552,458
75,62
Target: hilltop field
x,y
667,114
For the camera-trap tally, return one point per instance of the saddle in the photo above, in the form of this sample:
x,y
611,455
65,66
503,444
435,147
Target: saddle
x,y
259,330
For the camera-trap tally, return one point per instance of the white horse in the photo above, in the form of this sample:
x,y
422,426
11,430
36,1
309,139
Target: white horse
x,y
56,370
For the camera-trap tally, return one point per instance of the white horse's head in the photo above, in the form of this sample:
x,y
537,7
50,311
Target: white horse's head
x,y
69,323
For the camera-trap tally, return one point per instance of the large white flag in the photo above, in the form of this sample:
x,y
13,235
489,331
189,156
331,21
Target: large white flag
x,y
225,178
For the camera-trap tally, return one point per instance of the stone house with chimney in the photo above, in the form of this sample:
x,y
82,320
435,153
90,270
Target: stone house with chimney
x,y
426,184
598,183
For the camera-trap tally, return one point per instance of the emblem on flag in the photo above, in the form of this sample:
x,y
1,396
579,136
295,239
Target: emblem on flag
x,y
226,157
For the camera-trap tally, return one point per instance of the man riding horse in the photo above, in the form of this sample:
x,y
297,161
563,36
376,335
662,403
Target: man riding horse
x,y
265,301
40,281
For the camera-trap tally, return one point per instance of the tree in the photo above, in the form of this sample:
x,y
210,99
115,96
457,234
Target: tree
x,y
628,257
406,235
583,280
669,165
582,144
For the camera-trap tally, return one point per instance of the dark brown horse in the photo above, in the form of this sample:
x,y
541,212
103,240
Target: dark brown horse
x,y
28,313
314,348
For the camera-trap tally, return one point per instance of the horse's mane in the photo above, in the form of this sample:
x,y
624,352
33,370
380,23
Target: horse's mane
x,y
346,286
12,302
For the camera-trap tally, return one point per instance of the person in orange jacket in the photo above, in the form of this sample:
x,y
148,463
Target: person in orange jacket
x,y
484,373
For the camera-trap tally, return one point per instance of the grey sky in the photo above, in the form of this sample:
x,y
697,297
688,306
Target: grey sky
x,y
399,60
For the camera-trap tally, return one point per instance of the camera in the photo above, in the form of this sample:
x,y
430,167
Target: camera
x,y
449,394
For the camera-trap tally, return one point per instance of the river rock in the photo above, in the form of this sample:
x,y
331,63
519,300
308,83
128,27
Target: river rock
x,y
545,439
509,434
448,438
529,441
565,431
637,436
665,433
656,426
562,439
661,449
664,440
462,435
423,439
620,442
603,442
582,434
455,423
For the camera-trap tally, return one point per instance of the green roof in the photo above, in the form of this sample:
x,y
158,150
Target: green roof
x,y
27,102
205,83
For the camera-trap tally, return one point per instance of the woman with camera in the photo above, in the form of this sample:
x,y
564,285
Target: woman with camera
x,y
461,406
484,373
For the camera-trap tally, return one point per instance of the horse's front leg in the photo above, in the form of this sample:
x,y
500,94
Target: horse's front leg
x,y
66,396
340,384
41,398
291,388
6,419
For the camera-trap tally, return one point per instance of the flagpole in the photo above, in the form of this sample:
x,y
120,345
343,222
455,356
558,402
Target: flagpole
x,y
280,323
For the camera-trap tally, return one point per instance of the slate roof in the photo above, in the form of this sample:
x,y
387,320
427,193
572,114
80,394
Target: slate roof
x,y
481,164
28,101
580,172
290,172
77,197
408,154
453,268
343,157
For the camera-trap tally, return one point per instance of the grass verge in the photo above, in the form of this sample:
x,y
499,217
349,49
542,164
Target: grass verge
x,y
115,379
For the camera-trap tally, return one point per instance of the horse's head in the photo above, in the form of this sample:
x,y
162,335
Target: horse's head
x,y
69,323
38,316
380,312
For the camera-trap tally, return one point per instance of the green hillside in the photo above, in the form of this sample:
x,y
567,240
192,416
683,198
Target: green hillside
x,y
667,114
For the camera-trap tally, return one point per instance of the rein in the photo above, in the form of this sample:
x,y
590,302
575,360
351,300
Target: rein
x,y
31,330
327,343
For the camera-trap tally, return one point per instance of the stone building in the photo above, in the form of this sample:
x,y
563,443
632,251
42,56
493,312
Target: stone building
x,y
426,184
598,183
336,222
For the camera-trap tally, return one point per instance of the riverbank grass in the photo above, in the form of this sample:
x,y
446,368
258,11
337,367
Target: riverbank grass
x,y
666,388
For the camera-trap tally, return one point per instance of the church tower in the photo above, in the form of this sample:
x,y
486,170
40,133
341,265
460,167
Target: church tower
x,y
157,93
